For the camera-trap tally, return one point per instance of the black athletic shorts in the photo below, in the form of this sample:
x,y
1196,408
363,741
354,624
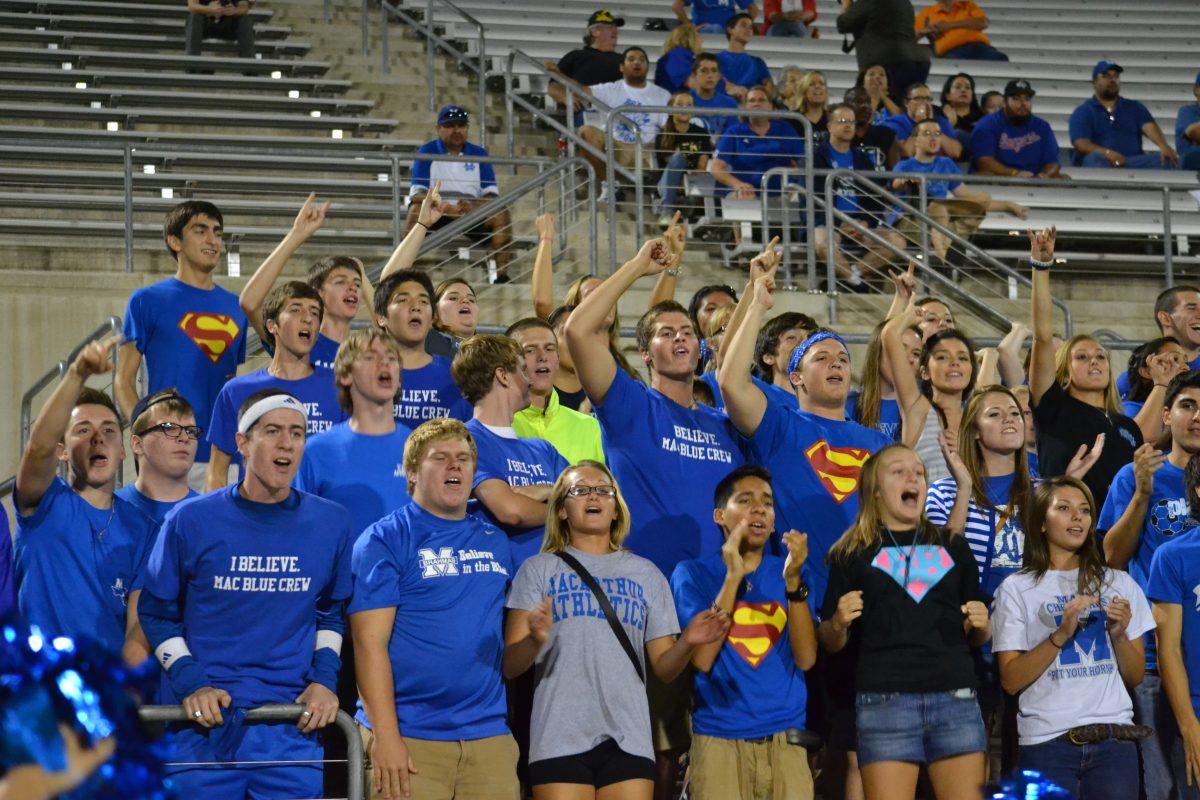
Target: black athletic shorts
x,y
603,765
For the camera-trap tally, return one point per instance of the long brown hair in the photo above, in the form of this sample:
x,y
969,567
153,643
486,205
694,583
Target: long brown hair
x,y
573,299
972,456
1037,546
1062,371
863,534
870,398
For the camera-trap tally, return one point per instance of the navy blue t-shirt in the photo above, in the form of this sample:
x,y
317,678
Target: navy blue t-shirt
x,y
447,580
1027,147
754,688
743,69
1175,578
1121,130
749,155
76,563
717,124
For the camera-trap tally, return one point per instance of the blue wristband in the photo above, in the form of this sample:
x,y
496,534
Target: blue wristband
x,y
1041,266
186,676
324,669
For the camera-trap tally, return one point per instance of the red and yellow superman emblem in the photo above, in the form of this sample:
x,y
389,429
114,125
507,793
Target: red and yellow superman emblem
x,y
214,334
837,468
756,628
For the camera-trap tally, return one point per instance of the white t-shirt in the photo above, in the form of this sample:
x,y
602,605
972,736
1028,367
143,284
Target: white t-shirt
x,y
1083,685
619,93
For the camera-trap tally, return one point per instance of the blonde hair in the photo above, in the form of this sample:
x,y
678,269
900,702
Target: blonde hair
x,y
558,535
427,433
719,319
475,364
792,103
1062,371
805,83
685,35
863,533
575,297
347,354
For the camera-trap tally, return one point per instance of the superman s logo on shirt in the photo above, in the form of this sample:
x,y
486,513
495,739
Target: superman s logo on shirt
x,y
214,334
755,630
837,468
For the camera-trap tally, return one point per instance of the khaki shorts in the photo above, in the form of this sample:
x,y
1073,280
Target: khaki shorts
x,y
670,707
481,769
965,218
735,769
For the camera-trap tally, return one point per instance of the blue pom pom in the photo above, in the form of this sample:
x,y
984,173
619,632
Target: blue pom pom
x,y
1028,785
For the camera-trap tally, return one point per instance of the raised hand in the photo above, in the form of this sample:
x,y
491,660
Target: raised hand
x,y
731,551
1120,614
797,553
320,708
1146,461
948,441
653,257
1041,244
1085,458
95,358
1163,367
766,262
706,627
676,236
905,283
541,619
311,217
1070,616
544,224
432,207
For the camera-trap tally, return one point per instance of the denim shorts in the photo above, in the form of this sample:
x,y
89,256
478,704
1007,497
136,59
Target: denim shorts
x,y
919,728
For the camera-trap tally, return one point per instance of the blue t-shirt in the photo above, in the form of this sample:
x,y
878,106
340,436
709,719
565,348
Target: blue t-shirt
x,y
674,68
8,585
517,462
845,199
667,459
1175,578
717,124
754,688
156,510
743,69
1121,130
903,125
447,580
324,352
1028,147
997,540
1167,517
816,463
710,378
890,420
191,339
1187,116
318,393
1131,408
76,563
428,393
250,579
716,12
941,165
1123,379
749,155
469,178
362,473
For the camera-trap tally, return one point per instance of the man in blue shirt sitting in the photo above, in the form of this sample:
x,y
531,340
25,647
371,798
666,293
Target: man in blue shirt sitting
x,y
1187,131
750,148
1107,129
1014,142
918,106
469,184
709,92
741,70
710,16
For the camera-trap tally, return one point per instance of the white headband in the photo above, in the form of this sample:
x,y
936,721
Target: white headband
x,y
255,412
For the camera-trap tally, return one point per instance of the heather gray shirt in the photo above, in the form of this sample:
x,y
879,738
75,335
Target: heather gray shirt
x,y
587,689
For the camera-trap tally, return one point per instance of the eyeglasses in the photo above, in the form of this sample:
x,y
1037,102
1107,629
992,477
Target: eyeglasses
x,y
841,121
174,431
599,491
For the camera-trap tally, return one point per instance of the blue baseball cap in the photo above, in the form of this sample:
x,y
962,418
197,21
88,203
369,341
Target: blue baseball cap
x,y
1104,66
451,115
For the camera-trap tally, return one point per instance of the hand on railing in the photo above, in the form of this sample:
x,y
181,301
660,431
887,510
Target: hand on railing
x,y
204,705
320,708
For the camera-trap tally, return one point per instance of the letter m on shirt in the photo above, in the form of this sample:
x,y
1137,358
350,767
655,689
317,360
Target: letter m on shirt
x,y
1089,640
438,564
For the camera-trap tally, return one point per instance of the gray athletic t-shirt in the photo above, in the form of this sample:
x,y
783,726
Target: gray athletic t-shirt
x,y
587,690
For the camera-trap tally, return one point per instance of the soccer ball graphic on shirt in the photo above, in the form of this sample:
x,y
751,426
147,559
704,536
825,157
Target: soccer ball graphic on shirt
x,y
1169,516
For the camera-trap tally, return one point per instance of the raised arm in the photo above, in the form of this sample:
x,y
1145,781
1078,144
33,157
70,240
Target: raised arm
x,y
1122,540
307,222
744,402
1008,355
39,462
664,287
542,283
913,405
1041,360
585,331
406,252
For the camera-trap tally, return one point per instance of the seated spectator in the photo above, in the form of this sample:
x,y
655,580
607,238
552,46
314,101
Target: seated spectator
x,y
631,90
711,16
1014,142
788,96
682,146
708,91
959,105
750,148
741,70
1063,609
596,62
884,34
219,19
468,184
838,152
950,201
813,94
991,102
745,740
1187,131
1177,315
879,141
674,67
455,308
918,106
1107,129
793,18
955,29
874,79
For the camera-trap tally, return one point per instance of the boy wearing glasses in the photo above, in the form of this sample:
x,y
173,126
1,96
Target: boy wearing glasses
x,y
164,438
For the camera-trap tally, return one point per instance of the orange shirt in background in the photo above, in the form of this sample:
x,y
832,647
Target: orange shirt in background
x,y
950,40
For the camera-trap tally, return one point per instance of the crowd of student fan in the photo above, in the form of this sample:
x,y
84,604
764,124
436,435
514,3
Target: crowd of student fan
x,y
528,538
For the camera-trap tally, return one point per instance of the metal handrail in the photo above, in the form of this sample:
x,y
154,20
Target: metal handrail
x,y
286,712
426,29
927,222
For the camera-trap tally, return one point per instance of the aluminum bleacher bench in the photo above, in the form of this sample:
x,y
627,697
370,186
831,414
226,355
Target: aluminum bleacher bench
x,y
93,76
118,23
203,156
153,61
196,182
129,41
175,116
329,235
231,205
22,134
125,98
259,13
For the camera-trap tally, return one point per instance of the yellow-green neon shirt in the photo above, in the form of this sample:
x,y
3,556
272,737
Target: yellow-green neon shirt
x,y
575,436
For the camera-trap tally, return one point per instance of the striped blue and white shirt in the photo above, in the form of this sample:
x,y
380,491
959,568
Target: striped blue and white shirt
x,y
996,540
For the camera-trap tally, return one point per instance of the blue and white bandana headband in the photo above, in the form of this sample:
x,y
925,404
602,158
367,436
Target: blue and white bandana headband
x,y
803,348
268,404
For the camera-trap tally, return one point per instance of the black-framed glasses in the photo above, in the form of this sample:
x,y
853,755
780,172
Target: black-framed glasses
x,y
599,491
174,430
